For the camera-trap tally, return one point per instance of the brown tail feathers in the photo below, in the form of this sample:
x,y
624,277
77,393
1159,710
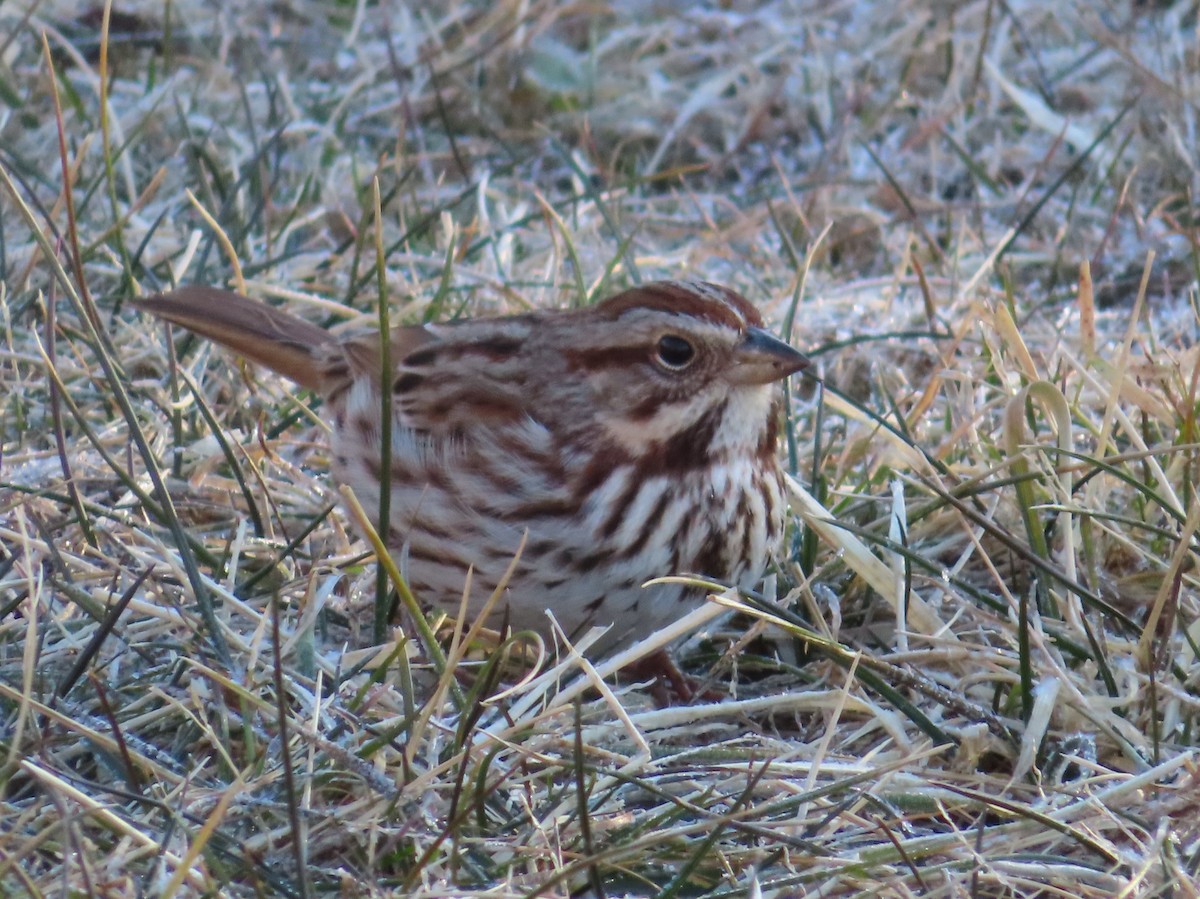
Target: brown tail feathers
x,y
263,334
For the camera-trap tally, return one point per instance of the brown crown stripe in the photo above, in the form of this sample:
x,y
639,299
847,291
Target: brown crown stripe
x,y
701,300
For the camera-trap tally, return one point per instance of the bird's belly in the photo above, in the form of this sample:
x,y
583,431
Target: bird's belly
x,y
583,558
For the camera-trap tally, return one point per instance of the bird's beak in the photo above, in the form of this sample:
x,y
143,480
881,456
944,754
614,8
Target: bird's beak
x,y
761,358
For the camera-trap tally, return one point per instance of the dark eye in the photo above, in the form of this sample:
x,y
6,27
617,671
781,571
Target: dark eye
x,y
675,352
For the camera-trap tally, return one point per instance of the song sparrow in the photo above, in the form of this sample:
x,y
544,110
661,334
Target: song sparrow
x,y
632,439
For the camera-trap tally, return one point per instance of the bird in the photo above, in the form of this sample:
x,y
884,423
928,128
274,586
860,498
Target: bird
x,y
630,439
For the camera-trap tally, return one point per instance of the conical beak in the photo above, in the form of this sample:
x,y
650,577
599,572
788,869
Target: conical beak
x,y
761,358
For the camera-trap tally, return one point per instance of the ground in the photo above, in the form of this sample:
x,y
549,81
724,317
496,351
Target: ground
x,y
978,675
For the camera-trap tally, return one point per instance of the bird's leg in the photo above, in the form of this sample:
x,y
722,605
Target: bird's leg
x,y
668,680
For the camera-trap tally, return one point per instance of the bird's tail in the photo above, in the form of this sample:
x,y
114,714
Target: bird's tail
x,y
263,334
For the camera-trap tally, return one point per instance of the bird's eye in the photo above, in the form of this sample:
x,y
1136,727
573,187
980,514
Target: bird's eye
x,y
674,352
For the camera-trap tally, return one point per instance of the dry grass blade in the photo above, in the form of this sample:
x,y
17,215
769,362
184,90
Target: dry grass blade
x,y
974,670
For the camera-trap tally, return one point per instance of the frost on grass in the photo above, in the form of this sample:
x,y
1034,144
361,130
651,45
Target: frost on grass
x,y
982,679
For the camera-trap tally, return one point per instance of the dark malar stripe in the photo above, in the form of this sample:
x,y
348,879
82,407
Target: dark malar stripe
x,y
690,449
770,436
646,409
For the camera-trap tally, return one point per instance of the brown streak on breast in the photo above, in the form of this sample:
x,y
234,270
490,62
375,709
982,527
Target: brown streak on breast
x,y
606,459
745,516
648,526
711,559
590,562
621,506
367,431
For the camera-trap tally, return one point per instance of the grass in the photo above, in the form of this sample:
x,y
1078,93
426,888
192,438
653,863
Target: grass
x,y
975,669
